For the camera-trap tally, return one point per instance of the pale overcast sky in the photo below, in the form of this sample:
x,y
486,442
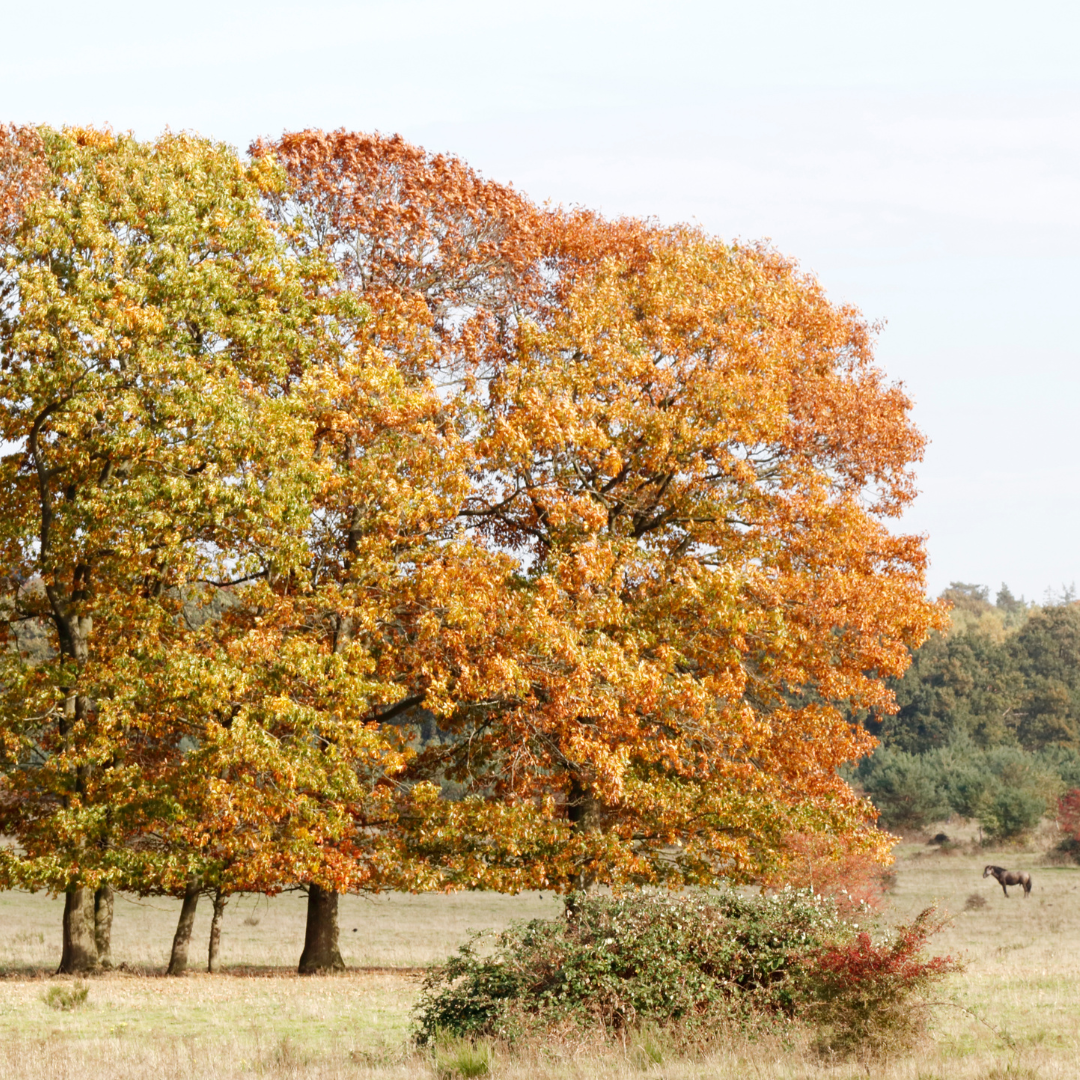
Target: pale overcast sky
x,y
922,158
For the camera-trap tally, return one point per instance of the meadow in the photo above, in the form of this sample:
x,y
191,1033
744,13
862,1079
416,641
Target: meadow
x,y
1014,1013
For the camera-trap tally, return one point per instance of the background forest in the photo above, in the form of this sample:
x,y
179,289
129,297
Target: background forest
x,y
988,726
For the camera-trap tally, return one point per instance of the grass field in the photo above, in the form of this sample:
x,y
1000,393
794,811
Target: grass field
x,y
1015,1012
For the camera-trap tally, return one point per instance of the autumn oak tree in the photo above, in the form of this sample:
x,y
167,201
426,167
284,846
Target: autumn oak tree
x,y
151,325
682,462
693,457
607,504
432,254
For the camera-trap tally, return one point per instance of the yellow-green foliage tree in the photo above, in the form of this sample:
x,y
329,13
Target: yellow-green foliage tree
x,y
425,255
610,501
151,326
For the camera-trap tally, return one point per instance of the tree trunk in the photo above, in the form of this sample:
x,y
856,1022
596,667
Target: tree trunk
x,y
182,937
80,953
343,633
103,916
586,815
220,900
321,951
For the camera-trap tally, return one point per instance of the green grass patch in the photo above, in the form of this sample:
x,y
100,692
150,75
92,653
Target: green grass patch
x,y
67,998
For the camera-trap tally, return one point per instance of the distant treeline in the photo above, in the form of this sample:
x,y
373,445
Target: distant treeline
x,y
989,719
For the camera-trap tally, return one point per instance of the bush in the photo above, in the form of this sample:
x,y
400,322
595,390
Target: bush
x,y
1007,789
1068,813
613,962
862,993
966,782
1063,762
67,998
1068,819
1024,791
688,965
1010,814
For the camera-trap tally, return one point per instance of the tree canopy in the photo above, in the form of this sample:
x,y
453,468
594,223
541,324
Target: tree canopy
x,y
606,507
1006,674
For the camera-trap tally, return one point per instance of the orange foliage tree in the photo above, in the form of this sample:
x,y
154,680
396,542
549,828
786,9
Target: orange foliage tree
x,y
670,574
694,460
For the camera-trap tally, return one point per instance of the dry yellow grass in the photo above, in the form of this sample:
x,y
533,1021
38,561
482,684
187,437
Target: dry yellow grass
x,y
1013,1014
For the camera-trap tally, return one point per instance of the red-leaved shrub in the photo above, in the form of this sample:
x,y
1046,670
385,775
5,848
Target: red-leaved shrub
x,y
1068,814
1068,818
866,998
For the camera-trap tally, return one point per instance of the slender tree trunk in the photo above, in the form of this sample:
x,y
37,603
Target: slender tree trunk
x,y
585,813
103,916
80,953
213,962
80,943
321,951
182,937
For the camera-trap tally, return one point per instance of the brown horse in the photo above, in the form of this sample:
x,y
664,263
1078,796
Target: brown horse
x,y
1009,877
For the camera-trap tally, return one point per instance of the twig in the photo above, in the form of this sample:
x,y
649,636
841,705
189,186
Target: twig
x,y
1004,1036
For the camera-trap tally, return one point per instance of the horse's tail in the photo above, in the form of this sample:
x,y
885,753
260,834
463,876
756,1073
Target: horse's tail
x,y
1027,884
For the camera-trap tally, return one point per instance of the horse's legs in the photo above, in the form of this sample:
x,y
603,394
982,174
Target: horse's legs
x,y
1004,890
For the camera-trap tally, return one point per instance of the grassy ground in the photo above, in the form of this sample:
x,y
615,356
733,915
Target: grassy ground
x,y
1013,1014
388,931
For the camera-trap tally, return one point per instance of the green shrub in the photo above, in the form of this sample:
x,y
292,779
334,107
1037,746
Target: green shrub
x,y
615,962
1007,789
905,788
66,998
687,966
1009,814
967,784
1023,792
1062,762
